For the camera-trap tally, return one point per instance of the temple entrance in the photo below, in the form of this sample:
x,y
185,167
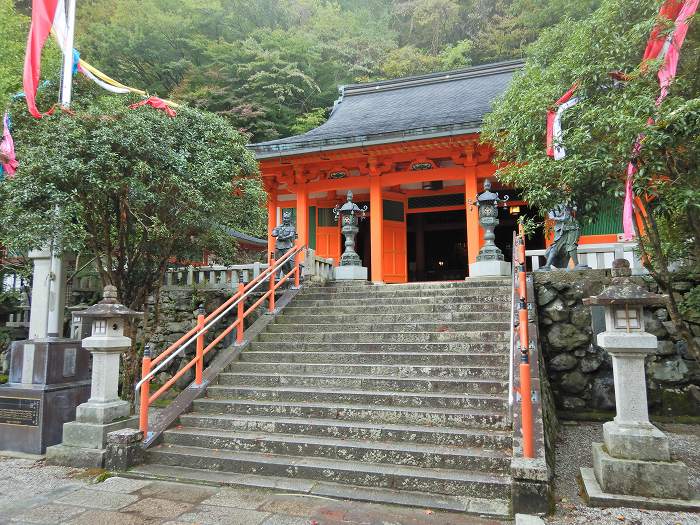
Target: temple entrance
x,y
437,248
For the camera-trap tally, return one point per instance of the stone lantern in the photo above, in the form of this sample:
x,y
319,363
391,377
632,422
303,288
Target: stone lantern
x,y
350,215
635,459
490,259
84,440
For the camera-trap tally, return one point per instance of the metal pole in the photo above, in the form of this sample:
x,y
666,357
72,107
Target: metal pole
x,y
67,72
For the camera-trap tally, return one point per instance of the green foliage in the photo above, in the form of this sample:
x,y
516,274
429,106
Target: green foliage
x,y
600,130
309,121
134,187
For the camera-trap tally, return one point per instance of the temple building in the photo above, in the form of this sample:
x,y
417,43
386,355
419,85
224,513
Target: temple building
x,y
409,149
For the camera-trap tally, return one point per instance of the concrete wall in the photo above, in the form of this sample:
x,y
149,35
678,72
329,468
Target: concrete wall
x,y
580,372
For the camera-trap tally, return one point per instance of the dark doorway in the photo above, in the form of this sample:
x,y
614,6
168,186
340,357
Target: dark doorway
x,y
508,217
437,248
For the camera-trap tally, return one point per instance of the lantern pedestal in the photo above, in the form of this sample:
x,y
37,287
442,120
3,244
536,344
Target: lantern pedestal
x,y
350,273
85,439
633,466
489,268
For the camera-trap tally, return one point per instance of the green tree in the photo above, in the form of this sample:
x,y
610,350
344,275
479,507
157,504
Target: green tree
x,y
601,129
135,189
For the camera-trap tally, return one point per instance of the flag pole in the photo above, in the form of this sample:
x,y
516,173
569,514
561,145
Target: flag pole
x,y
67,72
55,302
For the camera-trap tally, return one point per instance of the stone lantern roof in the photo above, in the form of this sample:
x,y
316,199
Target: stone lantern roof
x,y
623,291
108,307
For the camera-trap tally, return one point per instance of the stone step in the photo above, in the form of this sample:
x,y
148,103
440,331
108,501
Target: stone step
x,y
378,327
284,345
374,307
360,397
339,286
404,293
368,383
353,430
445,316
394,371
492,508
377,452
440,481
386,337
327,303
398,357
471,418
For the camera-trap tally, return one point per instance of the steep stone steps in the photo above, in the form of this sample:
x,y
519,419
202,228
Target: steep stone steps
x,y
362,397
386,337
445,300
407,295
372,392
371,355
403,415
375,307
367,383
280,344
445,316
354,430
476,459
395,371
434,480
379,327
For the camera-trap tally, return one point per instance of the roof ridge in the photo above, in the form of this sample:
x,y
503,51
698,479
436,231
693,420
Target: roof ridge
x,y
431,78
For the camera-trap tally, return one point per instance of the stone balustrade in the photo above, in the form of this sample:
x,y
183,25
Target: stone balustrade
x,y
597,256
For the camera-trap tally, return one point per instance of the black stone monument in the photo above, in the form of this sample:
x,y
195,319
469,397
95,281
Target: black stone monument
x,y
48,379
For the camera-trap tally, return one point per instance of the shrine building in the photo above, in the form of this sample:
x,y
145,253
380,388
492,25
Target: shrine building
x,y
409,150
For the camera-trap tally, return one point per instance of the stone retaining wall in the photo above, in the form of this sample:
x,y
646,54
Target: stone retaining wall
x,y
580,372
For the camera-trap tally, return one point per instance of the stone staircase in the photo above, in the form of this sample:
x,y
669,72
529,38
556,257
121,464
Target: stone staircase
x,y
391,393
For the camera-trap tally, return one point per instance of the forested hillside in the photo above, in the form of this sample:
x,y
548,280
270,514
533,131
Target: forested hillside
x,y
272,66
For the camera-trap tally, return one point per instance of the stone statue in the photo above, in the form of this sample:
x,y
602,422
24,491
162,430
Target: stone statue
x,y
285,234
566,235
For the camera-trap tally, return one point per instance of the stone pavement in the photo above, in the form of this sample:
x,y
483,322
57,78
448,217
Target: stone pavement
x,y
32,493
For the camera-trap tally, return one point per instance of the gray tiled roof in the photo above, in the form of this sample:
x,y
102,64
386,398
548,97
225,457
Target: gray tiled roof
x,y
410,107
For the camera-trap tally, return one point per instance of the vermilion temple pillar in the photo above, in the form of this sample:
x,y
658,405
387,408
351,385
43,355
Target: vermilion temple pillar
x,y
271,220
302,215
470,190
376,219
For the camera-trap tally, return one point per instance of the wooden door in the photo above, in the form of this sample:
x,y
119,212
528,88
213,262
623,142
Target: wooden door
x,y
327,235
394,256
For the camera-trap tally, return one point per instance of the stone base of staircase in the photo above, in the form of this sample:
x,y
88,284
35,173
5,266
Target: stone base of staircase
x,y
492,508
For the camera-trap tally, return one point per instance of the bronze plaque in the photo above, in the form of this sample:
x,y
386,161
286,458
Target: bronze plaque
x,y
19,411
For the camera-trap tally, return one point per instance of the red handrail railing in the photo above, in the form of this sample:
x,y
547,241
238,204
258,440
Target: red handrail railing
x,y
151,366
525,389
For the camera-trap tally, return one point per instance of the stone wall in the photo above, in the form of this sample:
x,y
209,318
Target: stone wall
x,y
580,372
178,315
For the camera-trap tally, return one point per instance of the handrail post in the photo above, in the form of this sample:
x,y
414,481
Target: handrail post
x,y
271,307
239,316
145,390
297,265
524,333
199,366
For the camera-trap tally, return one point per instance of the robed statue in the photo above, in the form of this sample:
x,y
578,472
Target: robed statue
x,y
566,235
285,234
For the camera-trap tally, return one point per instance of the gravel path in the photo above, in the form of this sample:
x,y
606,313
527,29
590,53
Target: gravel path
x,y
573,451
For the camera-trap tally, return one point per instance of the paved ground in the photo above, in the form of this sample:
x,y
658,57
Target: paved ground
x,y
31,492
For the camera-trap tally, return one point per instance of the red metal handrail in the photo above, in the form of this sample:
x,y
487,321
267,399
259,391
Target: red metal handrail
x,y
205,323
525,389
